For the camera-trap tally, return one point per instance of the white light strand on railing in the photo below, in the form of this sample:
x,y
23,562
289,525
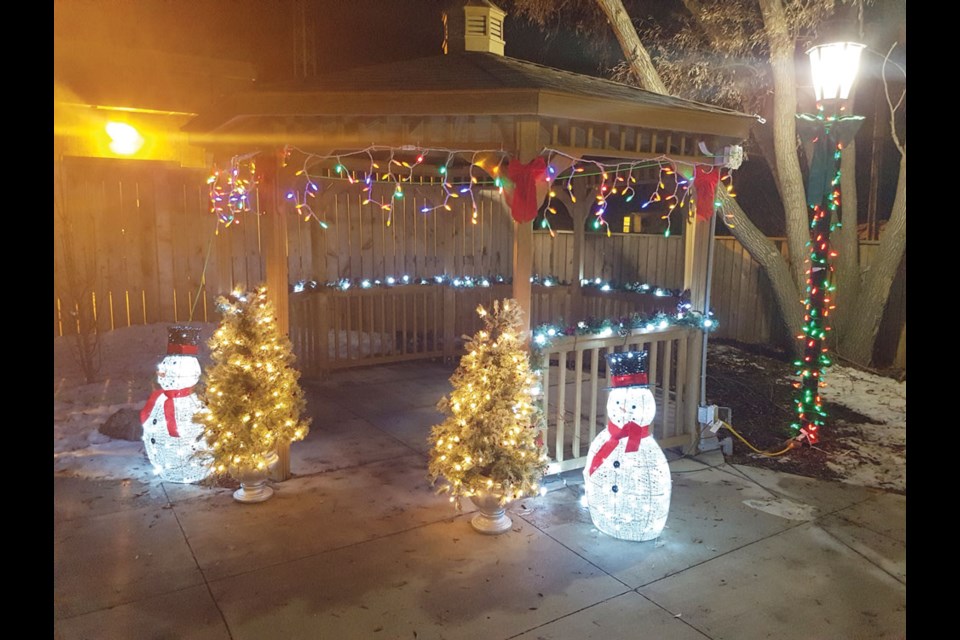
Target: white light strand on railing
x,y
637,322
467,281
545,333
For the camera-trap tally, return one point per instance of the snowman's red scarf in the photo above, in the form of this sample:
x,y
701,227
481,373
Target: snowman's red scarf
x,y
631,430
168,411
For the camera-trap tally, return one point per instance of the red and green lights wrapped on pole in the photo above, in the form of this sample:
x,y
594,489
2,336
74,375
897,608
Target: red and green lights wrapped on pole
x,y
829,134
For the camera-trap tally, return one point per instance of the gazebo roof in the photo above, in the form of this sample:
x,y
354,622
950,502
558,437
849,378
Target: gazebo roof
x,y
487,71
469,83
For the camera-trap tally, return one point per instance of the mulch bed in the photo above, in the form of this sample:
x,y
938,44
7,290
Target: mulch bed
x,y
756,383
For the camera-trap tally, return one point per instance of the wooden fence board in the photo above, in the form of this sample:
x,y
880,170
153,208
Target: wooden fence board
x,y
132,232
748,293
341,246
146,236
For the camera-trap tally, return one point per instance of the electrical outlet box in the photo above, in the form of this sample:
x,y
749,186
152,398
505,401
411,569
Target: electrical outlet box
x,y
707,414
711,418
725,414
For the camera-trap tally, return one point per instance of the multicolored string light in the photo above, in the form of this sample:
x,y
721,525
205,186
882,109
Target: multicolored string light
x,y
460,173
818,304
400,167
620,179
231,190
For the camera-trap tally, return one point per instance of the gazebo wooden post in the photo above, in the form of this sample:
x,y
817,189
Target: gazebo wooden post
x,y
697,238
527,148
274,250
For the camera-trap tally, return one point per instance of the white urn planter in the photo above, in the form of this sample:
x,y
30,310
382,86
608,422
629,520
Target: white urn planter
x,y
253,482
492,518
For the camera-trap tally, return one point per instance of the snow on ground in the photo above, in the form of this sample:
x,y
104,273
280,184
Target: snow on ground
x,y
876,456
129,358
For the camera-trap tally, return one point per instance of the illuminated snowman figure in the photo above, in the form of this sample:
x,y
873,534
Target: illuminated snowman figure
x,y
170,435
627,479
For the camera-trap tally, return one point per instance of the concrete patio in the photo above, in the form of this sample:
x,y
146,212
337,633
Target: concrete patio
x,y
357,545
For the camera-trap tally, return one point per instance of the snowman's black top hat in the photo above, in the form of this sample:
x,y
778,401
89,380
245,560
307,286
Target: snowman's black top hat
x,y
627,369
183,340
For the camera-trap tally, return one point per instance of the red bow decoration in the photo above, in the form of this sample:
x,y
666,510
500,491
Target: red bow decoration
x,y
168,411
523,201
631,430
705,182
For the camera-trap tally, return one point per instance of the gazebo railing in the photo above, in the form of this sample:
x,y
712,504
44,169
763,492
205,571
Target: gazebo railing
x,y
339,328
336,329
574,383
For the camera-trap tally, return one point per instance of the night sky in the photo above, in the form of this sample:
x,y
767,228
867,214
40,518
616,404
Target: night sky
x,y
350,33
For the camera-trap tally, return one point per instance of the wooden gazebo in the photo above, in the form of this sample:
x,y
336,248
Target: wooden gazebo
x,y
439,115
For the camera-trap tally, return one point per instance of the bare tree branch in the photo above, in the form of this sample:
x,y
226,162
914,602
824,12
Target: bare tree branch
x,y
637,56
893,108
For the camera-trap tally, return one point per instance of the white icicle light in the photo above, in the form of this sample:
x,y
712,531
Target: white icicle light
x,y
627,480
173,449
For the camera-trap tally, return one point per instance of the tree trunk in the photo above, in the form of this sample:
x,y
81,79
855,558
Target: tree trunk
x,y
847,244
637,57
783,123
764,251
858,341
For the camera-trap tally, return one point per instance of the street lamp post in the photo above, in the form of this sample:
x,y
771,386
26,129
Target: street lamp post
x,y
834,68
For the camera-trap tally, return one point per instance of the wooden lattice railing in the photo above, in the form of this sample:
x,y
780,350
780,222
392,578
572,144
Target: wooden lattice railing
x,y
573,378
334,329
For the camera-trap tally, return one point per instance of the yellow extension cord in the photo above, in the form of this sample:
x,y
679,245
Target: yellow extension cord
x,y
790,445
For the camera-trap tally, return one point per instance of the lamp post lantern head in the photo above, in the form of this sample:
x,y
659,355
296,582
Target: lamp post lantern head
x,y
834,68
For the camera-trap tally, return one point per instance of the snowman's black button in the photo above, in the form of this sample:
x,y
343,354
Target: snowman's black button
x,y
154,421
616,464
153,441
615,488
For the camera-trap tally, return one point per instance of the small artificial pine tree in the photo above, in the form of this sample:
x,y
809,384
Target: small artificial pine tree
x,y
252,393
490,440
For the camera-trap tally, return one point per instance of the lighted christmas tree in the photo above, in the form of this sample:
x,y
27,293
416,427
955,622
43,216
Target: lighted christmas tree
x,y
252,393
490,440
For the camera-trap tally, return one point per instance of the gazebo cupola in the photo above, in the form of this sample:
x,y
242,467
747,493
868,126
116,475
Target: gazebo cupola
x,y
477,25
